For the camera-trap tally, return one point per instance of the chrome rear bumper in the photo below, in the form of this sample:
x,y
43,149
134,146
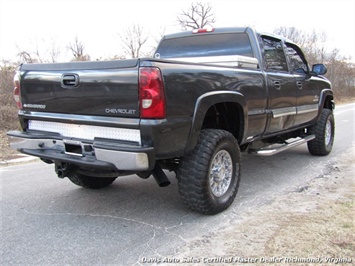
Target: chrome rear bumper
x,y
99,154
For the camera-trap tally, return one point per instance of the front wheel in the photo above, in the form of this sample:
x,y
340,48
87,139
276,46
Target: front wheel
x,y
324,132
209,176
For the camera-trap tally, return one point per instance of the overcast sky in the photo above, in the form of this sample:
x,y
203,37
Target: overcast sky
x,y
97,23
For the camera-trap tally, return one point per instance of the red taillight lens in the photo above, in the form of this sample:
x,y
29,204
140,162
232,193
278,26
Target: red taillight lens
x,y
151,93
17,90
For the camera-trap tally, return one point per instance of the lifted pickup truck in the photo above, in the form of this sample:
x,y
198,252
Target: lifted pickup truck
x,y
205,97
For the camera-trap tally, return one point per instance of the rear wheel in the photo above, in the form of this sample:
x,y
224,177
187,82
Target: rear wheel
x,y
324,132
92,182
209,176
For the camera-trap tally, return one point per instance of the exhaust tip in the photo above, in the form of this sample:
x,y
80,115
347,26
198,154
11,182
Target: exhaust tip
x,y
60,173
164,184
160,177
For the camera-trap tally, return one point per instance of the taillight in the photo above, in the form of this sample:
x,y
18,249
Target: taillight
x,y
17,89
151,93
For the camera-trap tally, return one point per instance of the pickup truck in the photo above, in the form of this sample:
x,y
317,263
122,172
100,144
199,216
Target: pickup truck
x,y
205,97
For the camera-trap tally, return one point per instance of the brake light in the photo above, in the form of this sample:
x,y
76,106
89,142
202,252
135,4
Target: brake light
x,y
151,93
209,29
17,89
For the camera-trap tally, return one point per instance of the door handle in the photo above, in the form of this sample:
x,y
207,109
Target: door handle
x,y
277,85
299,85
70,81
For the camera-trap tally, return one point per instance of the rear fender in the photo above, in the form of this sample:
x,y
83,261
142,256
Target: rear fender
x,y
203,103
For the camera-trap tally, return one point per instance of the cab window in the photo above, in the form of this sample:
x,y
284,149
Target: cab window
x,y
206,45
296,60
274,54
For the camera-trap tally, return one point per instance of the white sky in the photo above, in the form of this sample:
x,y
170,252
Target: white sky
x,y
25,23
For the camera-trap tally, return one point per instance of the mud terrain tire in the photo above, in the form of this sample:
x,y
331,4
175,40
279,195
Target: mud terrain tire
x,y
324,132
209,175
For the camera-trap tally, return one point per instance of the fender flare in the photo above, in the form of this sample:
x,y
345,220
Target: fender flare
x,y
203,103
325,93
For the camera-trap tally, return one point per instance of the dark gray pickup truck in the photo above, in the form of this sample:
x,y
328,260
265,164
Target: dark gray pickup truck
x,y
204,97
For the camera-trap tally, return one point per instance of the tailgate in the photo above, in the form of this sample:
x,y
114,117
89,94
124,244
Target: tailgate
x,y
107,88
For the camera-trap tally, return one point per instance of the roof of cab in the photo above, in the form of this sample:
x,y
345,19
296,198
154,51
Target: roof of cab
x,y
214,31
225,30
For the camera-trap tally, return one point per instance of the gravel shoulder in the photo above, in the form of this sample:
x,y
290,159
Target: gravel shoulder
x,y
313,225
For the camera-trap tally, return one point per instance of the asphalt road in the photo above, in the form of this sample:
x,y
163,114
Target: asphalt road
x,y
49,221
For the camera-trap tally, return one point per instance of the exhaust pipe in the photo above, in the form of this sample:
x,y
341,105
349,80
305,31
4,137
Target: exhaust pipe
x,y
160,177
64,169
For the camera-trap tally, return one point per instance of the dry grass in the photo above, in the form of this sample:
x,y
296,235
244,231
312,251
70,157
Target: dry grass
x,y
8,121
6,152
327,230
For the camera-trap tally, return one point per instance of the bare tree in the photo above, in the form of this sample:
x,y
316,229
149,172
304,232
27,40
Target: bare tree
x,y
133,39
198,16
77,49
156,39
42,51
341,71
31,55
26,56
8,108
292,33
312,44
53,51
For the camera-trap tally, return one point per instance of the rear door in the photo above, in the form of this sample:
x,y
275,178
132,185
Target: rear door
x,y
308,90
282,90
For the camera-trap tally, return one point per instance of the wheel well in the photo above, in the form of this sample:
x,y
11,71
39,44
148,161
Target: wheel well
x,y
227,116
329,103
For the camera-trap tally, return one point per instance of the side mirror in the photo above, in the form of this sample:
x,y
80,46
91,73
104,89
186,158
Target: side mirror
x,y
319,69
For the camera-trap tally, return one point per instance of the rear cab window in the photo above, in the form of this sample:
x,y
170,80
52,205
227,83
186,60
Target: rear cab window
x,y
220,44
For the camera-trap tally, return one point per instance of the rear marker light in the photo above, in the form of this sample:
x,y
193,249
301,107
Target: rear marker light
x,y
17,89
151,93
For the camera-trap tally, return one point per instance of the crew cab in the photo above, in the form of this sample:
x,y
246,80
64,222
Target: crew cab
x,y
204,97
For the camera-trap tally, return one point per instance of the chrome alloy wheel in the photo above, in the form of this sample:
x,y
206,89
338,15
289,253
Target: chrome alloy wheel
x,y
328,132
220,174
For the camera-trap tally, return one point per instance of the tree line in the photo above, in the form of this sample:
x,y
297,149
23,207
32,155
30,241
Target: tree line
x,y
341,71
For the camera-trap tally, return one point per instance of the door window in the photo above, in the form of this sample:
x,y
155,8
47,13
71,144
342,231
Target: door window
x,y
274,54
297,63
